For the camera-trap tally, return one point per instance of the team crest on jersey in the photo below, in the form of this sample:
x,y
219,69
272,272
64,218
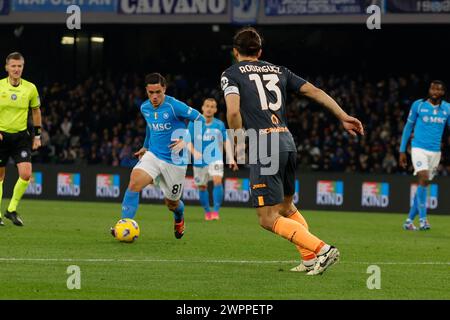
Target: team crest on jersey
x,y
425,119
165,115
13,96
419,163
23,154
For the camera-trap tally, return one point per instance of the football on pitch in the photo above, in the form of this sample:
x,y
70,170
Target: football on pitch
x,y
126,230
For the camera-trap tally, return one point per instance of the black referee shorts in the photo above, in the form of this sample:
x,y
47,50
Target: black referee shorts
x,y
15,145
269,190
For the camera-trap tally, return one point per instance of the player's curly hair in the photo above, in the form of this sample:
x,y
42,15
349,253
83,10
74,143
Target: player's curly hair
x,y
247,41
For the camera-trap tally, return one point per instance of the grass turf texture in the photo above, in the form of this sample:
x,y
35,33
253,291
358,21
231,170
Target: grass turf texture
x,y
233,258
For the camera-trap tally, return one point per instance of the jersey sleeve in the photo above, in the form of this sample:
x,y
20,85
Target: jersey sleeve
x,y
294,82
448,114
228,84
183,111
407,130
147,137
413,112
35,102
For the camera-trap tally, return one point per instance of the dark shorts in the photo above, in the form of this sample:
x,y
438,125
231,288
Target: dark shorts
x,y
16,146
269,190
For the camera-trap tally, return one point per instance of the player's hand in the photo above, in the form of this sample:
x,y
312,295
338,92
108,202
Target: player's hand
x,y
197,155
177,146
36,143
233,165
353,126
140,153
402,160
1,137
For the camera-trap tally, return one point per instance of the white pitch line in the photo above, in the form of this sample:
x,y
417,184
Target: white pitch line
x,y
211,261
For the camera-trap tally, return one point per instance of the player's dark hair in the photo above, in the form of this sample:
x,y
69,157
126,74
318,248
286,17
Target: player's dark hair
x,y
14,56
155,78
248,42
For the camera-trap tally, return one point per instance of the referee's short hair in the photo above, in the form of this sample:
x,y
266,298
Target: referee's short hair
x,y
155,78
14,56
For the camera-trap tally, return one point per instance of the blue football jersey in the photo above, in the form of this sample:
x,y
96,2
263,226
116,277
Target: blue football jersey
x,y
429,123
208,139
166,123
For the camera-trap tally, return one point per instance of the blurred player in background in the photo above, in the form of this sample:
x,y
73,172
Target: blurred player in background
x,y
206,146
427,118
17,96
161,159
255,95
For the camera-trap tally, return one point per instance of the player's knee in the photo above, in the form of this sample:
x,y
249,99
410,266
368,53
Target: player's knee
x,y
134,186
217,181
266,222
423,181
25,175
171,205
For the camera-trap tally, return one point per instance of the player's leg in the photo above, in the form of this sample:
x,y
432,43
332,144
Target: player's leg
x,y
423,181
289,210
295,232
419,161
21,153
201,178
171,184
139,179
425,178
143,174
4,156
216,171
267,196
2,177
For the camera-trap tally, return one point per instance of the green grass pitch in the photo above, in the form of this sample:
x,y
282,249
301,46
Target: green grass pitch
x,y
233,258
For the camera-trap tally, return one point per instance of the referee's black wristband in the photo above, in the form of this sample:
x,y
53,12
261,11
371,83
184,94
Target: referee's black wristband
x,y
37,131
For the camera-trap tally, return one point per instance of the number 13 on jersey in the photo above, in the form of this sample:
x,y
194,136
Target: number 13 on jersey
x,y
271,85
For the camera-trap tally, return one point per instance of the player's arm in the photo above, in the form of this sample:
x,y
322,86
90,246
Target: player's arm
x,y
35,105
146,145
407,130
351,124
190,146
229,150
234,117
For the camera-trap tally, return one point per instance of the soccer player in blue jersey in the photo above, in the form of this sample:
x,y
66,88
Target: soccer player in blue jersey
x,y
207,145
161,162
428,118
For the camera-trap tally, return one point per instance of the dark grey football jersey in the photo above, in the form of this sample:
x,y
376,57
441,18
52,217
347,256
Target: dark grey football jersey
x,y
262,88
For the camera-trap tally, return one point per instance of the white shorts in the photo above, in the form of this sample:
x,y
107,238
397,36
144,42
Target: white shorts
x,y
425,160
168,177
204,174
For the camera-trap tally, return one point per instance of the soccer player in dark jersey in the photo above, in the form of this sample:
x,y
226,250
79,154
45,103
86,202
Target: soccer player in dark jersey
x,y
255,95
